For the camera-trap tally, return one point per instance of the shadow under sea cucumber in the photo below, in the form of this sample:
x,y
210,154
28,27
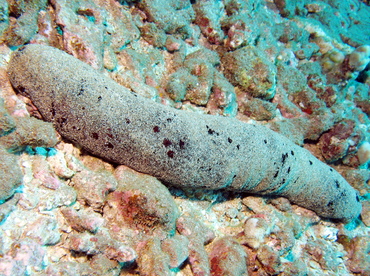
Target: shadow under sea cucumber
x,y
180,148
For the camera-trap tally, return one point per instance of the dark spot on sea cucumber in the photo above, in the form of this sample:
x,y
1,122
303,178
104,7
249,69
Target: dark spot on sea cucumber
x,y
100,98
292,152
310,162
331,169
276,174
169,120
95,135
167,142
156,129
53,111
234,176
128,120
211,131
330,203
182,144
337,184
109,145
229,140
82,89
357,198
265,141
283,157
288,170
170,153
62,120
238,147
83,108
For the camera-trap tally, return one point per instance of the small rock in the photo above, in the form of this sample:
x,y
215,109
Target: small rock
x,y
198,235
255,231
141,203
44,230
358,253
281,203
177,249
208,15
51,199
30,132
11,175
227,257
269,259
83,220
7,123
323,253
153,35
152,261
71,269
365,214
93,187
171,16
250,70
339,141
58,164
258,109
223,96
7,207
105,266
29,252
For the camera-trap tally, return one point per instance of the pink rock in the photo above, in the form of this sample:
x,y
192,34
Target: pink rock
x,y
93,187
177,249
358,253
11,175
339,141
227,257
198,235
152,261
83,220
142,204
269,259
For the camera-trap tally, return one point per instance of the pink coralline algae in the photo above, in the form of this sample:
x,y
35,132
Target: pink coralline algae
x,y
142,203
340,141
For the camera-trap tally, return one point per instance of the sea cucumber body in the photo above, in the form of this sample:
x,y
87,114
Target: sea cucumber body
x,y
180,148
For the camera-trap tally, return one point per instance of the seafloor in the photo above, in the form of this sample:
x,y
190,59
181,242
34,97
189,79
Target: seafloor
x,y
300,68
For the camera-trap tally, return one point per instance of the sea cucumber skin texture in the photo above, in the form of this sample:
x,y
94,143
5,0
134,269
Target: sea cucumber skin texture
x,y
180,148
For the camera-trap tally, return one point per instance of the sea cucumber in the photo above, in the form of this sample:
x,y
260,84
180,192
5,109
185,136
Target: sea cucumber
x,y
180,148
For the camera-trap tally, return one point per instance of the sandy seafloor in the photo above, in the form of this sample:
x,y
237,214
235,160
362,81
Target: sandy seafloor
x,y
300,68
